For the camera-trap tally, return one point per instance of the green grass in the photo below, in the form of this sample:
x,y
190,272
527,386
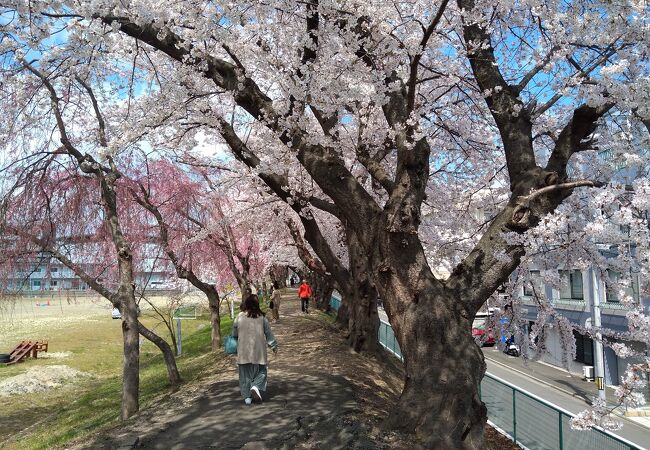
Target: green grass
x,y
77,410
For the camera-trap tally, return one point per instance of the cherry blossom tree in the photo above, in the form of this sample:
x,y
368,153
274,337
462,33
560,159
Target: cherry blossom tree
x,y
49,177
380,114
171,198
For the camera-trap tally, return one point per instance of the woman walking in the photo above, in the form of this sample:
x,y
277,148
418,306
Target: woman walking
x,y
276,298
253,333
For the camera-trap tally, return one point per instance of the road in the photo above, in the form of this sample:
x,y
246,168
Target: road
x,y
631,431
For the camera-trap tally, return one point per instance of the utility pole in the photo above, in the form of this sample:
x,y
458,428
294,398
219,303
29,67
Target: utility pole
x,y
598,294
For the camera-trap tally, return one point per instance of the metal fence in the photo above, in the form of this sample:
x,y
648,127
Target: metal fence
x,y
536,424
528,420
335,301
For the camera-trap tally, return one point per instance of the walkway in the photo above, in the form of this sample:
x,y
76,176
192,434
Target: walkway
x,y
315,398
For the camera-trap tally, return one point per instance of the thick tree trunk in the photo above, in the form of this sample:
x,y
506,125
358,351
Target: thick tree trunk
x,y
215,319
322,287
279,275
168,354
363,319
440,401
363,323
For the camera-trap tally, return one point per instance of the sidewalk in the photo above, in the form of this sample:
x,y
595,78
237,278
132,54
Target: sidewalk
x,y
559,379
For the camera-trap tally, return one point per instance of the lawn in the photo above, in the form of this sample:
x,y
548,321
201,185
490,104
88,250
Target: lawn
x,y
52,418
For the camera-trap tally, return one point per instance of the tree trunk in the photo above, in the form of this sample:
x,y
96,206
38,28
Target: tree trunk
x,y
126,296
440,401
322,288
215,319
363,323
168,354
279,275
363,319
131,362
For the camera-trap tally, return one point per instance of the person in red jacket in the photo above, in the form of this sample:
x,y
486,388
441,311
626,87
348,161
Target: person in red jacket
x,y
304,292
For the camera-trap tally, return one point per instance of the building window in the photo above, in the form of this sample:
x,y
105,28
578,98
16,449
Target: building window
x,y
612,281
36,284
571,287
613,278
528,285
54,283
54,269
584,349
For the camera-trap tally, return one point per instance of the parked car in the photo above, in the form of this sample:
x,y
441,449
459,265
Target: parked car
x,y
480,333
116,314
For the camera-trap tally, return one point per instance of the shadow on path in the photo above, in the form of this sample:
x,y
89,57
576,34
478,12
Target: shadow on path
x,y
220,419
305,397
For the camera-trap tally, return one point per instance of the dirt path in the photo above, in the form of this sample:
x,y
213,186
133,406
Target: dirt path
x,y
320,396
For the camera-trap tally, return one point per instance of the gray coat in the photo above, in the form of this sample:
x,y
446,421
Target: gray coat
x,y
253,335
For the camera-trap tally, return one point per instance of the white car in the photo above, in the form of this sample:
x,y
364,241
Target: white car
x,y
116,314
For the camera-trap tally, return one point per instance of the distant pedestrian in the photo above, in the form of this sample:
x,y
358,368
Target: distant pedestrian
x,y
276,298
304,292
253,333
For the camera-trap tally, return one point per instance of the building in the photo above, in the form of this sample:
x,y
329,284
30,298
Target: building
x,y
45,273
575,301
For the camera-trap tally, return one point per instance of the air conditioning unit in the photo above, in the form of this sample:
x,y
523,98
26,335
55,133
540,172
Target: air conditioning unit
x,y
588,372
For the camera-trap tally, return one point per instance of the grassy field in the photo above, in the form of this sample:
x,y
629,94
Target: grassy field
x,y
52,418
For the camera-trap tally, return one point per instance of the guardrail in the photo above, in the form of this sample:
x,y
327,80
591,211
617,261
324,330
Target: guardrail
x,y
530,421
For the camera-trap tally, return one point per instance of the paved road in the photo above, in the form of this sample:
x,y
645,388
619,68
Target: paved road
x,y
631,431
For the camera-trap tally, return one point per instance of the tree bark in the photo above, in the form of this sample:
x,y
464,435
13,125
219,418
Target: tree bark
x,y
215,319
322,287
168,354
363,319
440,403
131,362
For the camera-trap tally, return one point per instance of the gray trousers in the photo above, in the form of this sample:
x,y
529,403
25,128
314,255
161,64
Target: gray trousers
x,y
251,375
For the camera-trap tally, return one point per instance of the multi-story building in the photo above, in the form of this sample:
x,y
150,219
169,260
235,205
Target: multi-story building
x,y
575,301
45,273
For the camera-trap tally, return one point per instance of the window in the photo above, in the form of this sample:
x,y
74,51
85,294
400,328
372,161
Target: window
x,y
528,285
613,278
571,287
54,269
612,281
36,284
53,283
584,349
